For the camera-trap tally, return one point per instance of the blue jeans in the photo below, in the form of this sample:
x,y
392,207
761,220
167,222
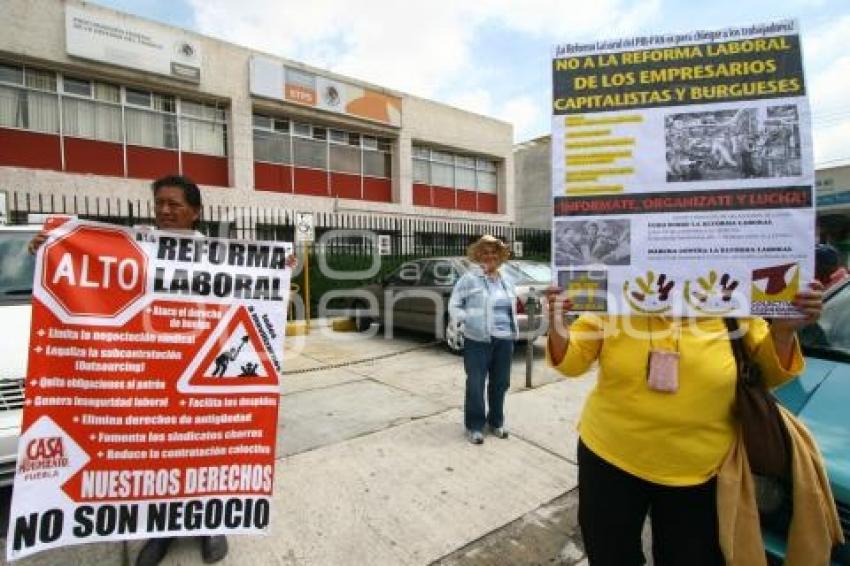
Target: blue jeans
x,y
479,360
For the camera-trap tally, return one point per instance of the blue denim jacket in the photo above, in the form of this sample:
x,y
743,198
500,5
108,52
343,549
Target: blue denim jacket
x,y
471,305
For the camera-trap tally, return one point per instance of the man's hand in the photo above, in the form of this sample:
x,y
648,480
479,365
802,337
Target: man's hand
x,y
37,242
291,261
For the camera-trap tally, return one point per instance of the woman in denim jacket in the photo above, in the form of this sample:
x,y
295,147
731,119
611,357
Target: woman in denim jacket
x,y
484,302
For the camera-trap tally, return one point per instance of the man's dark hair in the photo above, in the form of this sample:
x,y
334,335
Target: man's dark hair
x,y
826,260
191,192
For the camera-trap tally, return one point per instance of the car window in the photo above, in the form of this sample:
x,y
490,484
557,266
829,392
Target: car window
x,y
508,271
407,275
427,278
439,273
534,271
832,331
446,273
16,265
511,273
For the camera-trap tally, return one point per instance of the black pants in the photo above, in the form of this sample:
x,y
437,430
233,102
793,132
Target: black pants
x,y
612,508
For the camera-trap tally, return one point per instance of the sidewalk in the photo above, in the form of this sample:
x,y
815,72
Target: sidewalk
x,y
373,467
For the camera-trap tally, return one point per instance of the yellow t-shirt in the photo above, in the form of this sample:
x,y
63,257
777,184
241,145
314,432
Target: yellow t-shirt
x,y
676,439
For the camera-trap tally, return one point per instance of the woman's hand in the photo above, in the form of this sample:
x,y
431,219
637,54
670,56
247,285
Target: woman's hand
x,y
810,303
291,261
37,242
558,305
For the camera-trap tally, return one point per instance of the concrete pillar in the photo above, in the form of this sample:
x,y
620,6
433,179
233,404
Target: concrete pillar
x,y
403,168
241,144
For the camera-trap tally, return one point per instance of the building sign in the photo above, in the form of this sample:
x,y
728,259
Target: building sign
x,y
305,227
125,41
682,172
839,197
152,387
271,79
385,244
833,182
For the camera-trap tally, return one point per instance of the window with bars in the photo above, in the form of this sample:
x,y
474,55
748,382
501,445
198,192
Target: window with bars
x,y
377,164
421,171
271,140
28,99
344,159
32,99
317,147
446,169
150,119
91,110
310,153
203,128
271,147
302,129
442,174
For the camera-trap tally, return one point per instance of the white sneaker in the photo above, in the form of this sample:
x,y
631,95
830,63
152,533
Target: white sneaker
x,y
475,436
498,432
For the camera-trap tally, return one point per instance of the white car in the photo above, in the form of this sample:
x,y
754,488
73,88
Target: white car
x,y
16,274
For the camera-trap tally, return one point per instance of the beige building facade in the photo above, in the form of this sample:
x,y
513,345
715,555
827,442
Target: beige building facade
x,y
833,205
533,165
96,103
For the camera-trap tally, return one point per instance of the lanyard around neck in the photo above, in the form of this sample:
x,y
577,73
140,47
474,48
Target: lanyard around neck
x,y
675,329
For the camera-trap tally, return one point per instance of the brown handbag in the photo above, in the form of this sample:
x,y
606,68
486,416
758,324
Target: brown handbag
x,y
763,430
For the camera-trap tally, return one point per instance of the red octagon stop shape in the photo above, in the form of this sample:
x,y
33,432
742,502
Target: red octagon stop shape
x,y
93,271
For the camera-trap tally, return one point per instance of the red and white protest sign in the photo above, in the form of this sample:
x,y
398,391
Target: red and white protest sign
x,y
152,388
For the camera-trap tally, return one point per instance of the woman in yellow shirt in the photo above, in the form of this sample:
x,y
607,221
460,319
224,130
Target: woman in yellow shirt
x,y
643,450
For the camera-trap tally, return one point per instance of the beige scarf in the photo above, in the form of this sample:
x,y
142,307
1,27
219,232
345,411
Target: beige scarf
x,y
815,527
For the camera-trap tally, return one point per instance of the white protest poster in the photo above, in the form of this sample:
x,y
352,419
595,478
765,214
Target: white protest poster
x,y
152,388
682,173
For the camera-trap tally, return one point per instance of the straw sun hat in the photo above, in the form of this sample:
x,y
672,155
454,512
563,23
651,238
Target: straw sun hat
x,y
473,252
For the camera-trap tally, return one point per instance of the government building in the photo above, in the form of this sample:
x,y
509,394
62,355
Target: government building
x,y
95,103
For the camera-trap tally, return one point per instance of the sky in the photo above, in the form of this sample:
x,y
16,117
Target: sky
x,y
493,56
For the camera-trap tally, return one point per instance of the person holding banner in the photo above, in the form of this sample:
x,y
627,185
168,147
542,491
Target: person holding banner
x,y
485,302
177,208
659,423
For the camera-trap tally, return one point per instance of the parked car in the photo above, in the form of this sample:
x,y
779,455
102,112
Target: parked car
x,y
533,270
16,274
416,296
821,398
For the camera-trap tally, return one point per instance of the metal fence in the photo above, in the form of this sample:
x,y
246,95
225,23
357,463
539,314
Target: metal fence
x,y
408,235
348,241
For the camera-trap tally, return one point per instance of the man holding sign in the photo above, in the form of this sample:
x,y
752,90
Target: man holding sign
x,y
144,433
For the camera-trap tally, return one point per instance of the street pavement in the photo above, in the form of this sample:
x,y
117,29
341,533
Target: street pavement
x,y
374,469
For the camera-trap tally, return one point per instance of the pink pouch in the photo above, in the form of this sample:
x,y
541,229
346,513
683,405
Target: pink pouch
x,y
663,375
